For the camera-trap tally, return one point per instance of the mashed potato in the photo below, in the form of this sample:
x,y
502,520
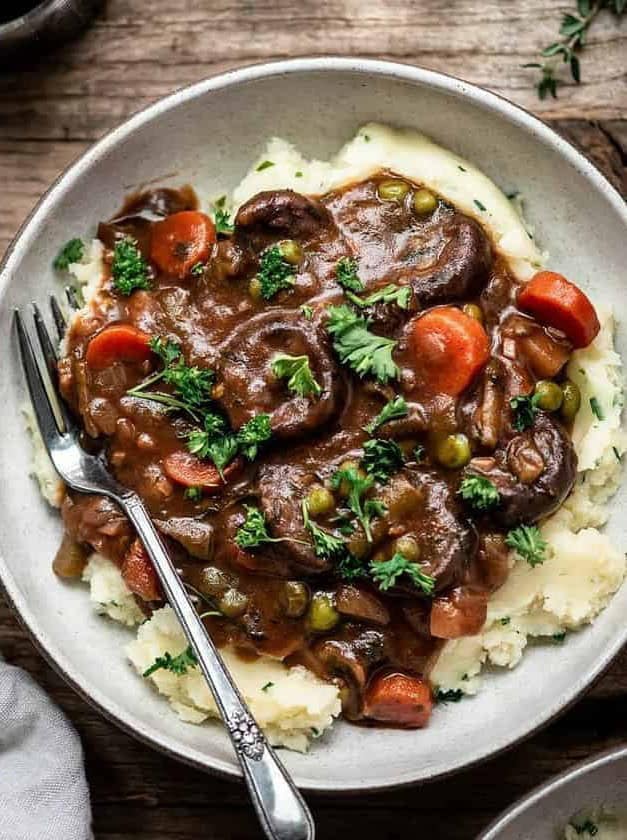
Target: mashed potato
x,y
583,569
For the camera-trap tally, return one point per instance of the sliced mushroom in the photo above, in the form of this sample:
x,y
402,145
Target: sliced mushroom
x,y
282,212
194,535
351,659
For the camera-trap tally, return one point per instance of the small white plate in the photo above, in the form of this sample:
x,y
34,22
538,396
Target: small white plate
x,y
208,135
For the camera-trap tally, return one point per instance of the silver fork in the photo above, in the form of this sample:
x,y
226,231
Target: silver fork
x,y
280,808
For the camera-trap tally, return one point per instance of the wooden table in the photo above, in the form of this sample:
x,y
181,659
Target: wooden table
x,y
54,108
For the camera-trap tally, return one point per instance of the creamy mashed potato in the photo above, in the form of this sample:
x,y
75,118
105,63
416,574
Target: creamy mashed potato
x,y
583,569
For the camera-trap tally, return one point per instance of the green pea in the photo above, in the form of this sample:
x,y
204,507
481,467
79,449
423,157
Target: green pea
x,y
392,190
320,500
408,547
294,598
233,603
548,395
322,615
254,288
571,400
291,251
424,202
473,311
453,451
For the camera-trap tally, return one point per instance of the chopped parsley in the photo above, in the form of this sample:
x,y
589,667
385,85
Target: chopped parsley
x,y
479,492
307,311
356,486
392,410
587,827
450,695
461,168
346,275
478,204
275,273
178,665
265,164
267,686
558,638
129,270
596,408
382,458
254,531
254,432
525,410
617,454
213,442
505,620
365,352
198,268
528,543
194,494
386,573
400,295
350,567
72,252
298,174
222,219
297,371
326,545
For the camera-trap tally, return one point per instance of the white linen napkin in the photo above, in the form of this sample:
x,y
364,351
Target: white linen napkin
x,y
43,790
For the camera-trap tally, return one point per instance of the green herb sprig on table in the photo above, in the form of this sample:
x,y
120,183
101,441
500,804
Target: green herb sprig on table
x,y
573,31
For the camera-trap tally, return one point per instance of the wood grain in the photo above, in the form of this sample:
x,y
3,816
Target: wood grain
x,y
50,111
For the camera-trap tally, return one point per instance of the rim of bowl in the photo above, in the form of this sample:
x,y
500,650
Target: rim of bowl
x,y
420,76
548,788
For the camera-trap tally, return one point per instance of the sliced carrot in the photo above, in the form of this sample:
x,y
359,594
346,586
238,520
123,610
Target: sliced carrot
x,y
118,343
450,349
139,574
557,302
400,699
461,612
181,241
186,469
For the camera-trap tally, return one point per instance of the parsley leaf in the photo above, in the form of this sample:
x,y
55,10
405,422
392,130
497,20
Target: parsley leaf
x,y
175,664
213,442
297,371
400,295
167,350
222,220
346,275
129,270
596,408
587,827
326,545
275,273
267,686
355,487
255,431
479,492
254,531
382,458
194,494
392,410
525,410
386,573
307,311
528,543
265,164
451,695
350,567
72,252
191,383
365,352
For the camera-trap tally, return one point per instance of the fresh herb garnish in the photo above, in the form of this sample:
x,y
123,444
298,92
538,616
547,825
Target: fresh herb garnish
x,y
346,275
178,665
392,410
326,545
450,695
265,164
558,638
350,567
254,531
528,543
129,270
479,492
400,295
356,486
214,442
275,273
307,311
617,454
587,827
222,220
297,371
386,573
197,269
72,252
525,410
267,686
254,432
505,620
596,409
382,458
194,494
573,30
365,352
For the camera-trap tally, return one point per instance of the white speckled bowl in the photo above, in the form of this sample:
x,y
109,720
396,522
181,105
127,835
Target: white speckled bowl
x,y
546,811
208,135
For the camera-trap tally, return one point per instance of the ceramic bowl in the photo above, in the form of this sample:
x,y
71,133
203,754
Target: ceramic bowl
x,y
209,134
544,813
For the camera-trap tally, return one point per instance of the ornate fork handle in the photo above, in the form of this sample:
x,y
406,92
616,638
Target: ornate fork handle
x,y
279,806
